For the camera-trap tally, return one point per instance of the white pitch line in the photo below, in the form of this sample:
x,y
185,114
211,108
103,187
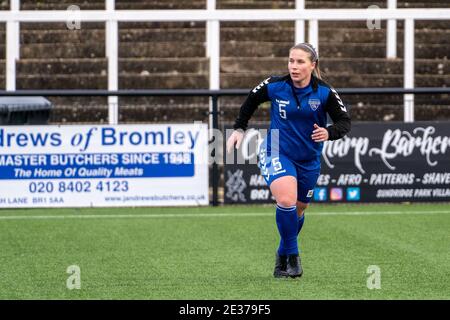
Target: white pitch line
x,y
206,215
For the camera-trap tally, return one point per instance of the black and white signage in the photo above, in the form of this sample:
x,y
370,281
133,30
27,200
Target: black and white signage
x,y
376,162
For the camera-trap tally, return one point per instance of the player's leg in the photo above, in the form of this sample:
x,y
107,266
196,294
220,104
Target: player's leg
x,y
306,182
280,175
301,207
284,191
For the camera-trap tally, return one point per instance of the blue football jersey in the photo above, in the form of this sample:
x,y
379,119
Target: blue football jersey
x,y
294,111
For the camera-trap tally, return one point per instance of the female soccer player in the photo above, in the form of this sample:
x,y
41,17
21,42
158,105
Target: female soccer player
x,y
289,158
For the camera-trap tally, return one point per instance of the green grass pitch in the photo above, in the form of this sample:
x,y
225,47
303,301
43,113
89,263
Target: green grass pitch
x,y
224,253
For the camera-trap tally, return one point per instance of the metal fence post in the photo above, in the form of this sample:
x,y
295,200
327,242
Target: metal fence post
x,y
300,24
391,32
313,33
112,54
215,167
409,70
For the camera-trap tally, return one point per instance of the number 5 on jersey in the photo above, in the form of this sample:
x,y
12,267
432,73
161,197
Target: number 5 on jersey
x,y
282,110
276,164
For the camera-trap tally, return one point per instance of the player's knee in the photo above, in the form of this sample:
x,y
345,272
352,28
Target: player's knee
x,y
286,201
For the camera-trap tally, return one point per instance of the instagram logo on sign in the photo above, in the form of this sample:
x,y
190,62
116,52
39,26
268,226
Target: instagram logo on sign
x,y
336,194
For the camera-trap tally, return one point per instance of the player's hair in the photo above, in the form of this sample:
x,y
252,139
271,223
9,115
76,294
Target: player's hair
x,y
313,56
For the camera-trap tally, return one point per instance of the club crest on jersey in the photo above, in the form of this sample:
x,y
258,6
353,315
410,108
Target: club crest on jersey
x,y
314,104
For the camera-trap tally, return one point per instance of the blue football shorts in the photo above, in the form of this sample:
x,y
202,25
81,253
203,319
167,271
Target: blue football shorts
x,y
279,165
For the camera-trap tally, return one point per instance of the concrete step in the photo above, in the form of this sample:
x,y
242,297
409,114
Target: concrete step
x,y
315,4
380,66
120,5
128,114
164,65
421,1
341,65
101,25
97,50
62,66
163,25
432,112
348,35
286,34
337,25
425,24
378,50
82,114
34,5
419,24
126,81
162,80
168,101
384,112
250,4
291,24
30,2
354,35
329,49
423,4
266,4
275,34
100,65
62,81
93,49
79,101
160,5
61,36
343,4
163,35
130,101
162,49
44,26
147,66
163,113
125,35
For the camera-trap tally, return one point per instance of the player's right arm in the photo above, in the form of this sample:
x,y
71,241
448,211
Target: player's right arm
x,y
256,96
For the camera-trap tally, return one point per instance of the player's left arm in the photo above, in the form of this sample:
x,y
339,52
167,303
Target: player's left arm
x,y
339,114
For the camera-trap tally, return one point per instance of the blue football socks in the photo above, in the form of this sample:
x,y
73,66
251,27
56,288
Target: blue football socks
x,y
287,223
